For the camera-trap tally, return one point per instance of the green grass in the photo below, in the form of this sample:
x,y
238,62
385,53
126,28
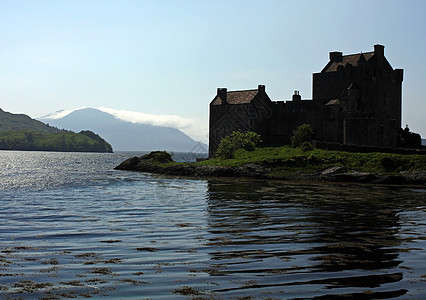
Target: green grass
x,y
160,159
286,159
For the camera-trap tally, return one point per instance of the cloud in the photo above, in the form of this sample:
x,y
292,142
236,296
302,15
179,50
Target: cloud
x,y
59,114
190,127
151,119
133,117
196,130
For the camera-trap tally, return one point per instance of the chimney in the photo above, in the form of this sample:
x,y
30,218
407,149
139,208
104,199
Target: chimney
x,y
296,96
221,93
261,88
379,50
336,56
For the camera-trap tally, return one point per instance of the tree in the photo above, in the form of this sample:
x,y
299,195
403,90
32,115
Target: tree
x,y
237,140
303,134
29,136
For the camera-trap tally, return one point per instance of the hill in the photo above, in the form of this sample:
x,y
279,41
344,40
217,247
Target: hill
x,y
13,122
123,135
20,132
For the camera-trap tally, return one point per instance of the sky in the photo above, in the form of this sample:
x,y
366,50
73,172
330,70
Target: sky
x,y
166,58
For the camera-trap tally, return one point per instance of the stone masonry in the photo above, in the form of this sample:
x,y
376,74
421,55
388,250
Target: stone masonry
x,y
356,99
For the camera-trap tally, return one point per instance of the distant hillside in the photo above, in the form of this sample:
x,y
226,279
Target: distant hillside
x,y
20,132
10,122
126,136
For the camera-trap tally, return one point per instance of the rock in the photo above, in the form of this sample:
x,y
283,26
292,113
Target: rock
x,y
253,170
158,156
415,177
358,177
128,164
341,174
334,170
158,162
148,163
391,179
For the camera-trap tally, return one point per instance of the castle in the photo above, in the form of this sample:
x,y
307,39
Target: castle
x,y
356,99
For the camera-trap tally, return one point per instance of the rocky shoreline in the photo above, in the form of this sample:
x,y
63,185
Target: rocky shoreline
x,y
333,174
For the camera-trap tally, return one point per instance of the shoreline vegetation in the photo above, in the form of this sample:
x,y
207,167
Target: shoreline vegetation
x,y
22,133
292,163
60,141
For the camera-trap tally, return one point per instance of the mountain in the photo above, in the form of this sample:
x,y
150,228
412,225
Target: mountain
x,y
123,135
20,132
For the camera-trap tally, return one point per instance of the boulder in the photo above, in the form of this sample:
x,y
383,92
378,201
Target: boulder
x,y
358,177
334,170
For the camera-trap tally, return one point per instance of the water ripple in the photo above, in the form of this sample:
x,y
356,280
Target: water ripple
x,y
78,229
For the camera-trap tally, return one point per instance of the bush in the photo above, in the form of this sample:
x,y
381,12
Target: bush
x,y
306,146
158,156
388,163
302,135
237,140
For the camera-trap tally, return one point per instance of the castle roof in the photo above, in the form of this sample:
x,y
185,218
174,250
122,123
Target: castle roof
x,y
237,97
352,59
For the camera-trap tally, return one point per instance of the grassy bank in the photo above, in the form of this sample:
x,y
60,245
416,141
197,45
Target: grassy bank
x,y
285,160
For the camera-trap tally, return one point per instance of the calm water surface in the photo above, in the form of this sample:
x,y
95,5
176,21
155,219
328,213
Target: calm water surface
x,y
72,227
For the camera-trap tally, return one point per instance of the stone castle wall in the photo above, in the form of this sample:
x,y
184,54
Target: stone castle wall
x,y
356,100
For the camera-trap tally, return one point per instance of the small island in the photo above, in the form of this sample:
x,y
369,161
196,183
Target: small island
x,y
287,163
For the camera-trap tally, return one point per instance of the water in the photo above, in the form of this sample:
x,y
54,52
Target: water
x,y
72,227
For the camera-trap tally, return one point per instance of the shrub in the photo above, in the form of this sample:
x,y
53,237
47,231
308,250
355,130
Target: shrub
x,y
388,163
302,134
158,156
313,160
306,146
237,140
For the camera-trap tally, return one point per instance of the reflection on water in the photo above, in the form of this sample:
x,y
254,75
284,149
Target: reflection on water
x,y
78,229
329,240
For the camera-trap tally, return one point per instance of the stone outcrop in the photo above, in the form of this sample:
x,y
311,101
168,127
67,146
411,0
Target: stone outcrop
x,y
341,174
141,164
164,165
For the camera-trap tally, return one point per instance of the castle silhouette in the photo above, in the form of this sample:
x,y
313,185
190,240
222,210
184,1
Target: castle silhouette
x,y
356,100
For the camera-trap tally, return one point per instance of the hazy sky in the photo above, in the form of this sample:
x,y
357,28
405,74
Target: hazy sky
x,y
169,57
